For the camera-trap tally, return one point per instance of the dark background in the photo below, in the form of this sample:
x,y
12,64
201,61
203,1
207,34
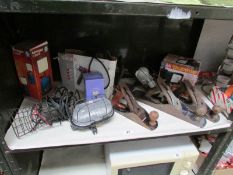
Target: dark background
x,y
146,39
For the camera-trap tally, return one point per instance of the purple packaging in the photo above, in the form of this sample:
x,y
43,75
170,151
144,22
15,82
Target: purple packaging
x,y
94,85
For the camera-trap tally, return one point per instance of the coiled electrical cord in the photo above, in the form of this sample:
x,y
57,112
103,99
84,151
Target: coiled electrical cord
x,y
63,101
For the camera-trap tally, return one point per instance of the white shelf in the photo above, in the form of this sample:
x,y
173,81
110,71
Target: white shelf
x,y
116,129
85,160
90,159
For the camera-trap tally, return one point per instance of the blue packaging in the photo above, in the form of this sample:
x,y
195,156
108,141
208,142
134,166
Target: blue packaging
x,y
94,85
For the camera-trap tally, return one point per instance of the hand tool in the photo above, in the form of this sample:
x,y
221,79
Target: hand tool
x,y
189,114
143,75
213,114
146,120
116,101
198,105
155,95
167,92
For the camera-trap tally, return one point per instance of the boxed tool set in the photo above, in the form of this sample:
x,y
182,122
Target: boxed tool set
x,y
176,68
33,66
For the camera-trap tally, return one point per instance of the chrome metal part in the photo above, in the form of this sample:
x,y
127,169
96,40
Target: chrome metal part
x,y
167,92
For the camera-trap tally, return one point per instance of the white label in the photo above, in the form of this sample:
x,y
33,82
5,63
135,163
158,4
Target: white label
x,y
182,61
42,65
23,80
178,13
45,48
29,67
176,78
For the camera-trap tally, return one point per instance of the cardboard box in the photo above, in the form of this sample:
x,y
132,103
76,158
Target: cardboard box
x,y
177,68
217,96
71,64
32,61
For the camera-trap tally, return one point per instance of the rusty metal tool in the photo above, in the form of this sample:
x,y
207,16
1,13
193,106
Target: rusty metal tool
x,y
150,120
155,95
200,108
116,101
167,92
213,114
188,113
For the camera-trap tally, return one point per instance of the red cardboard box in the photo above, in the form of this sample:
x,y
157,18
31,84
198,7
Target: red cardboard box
x,y
32,61
176,68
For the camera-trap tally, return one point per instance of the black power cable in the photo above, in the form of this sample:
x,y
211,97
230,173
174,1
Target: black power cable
x,y
89,67
63,101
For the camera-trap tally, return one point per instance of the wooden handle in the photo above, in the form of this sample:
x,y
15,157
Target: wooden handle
x,y
154,115
217,109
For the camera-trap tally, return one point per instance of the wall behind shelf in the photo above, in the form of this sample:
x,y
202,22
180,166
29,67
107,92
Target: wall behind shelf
x,y
212,45
146,39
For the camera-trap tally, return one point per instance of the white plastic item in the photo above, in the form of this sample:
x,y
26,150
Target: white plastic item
x,y
144,77
83,160
66,66
230,44
222,80
227,66
188,164
179,151
230,53
184,172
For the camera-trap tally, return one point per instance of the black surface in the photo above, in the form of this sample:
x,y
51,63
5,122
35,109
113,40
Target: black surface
x,y
111,8
157,169
147,39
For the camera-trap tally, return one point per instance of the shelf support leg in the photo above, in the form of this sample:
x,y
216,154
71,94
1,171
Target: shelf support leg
x,y
222,142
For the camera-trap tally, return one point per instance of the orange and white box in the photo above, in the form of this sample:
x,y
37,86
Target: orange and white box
x,y
217,96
